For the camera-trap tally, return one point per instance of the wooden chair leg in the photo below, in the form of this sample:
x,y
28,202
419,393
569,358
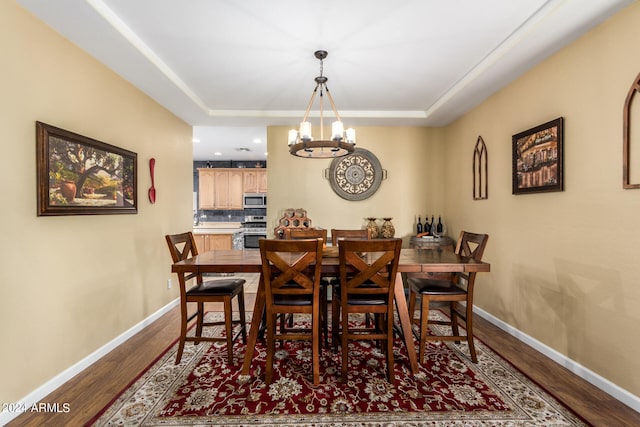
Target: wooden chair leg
x,y
454,320
243,318
199,321
412,305
469,322
183,331
271,347
315,347
228,323
335,323
324,313
390,361
424,326
345,346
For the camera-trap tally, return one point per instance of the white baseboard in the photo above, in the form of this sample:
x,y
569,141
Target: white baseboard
x,y
47,388
603,384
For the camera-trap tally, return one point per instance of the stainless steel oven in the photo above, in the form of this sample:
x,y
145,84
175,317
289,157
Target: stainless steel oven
x,y
251,240
255,228
254,200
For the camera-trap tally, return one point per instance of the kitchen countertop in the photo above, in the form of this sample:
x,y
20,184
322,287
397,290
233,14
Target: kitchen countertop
x,y
217,228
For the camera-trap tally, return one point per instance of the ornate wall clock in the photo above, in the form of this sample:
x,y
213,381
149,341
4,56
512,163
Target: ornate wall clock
x,y
356,176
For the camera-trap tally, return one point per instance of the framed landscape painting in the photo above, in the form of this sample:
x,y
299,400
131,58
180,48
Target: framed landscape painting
x,y
538,159
78,175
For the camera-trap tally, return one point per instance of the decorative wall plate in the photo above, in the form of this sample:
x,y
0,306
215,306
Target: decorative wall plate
x,y
356,176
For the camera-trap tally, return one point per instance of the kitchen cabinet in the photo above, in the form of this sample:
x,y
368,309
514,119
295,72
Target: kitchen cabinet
x,y
235,189
206,185
262,181
220,188
254,180
250,181
209,242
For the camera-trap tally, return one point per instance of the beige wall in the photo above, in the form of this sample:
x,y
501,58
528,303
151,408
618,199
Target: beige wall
x,y
414,186
69,285
563,265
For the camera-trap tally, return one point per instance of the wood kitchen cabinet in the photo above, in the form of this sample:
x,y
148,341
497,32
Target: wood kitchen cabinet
x,y
209,242
262,181
235,189
220,188
206,187
254,180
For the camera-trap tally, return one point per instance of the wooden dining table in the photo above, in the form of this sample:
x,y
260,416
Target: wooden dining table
x,y
411,261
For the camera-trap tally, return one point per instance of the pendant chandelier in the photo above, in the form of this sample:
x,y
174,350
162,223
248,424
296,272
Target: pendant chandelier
x,y
341,143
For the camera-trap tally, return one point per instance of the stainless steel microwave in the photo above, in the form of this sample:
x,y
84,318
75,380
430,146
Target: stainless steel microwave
x,y
254,200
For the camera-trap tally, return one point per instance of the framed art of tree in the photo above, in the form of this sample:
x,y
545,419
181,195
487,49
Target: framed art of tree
x,y
78,175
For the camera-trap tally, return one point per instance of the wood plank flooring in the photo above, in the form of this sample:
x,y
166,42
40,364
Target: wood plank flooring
x,y
94,388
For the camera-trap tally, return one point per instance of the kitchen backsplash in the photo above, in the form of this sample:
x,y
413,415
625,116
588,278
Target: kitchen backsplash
x,y
229,215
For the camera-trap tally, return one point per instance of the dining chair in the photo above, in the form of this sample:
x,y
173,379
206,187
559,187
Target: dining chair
x,y
313,233
331,282
291,273
305,233
183,246
456,290
367,278
363,234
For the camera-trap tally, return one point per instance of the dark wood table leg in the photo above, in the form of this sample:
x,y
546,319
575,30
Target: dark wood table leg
x,y
255,327
405,322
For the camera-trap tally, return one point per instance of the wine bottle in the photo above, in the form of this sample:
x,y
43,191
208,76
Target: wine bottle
x,y
425,227
433,226
439,227
419,226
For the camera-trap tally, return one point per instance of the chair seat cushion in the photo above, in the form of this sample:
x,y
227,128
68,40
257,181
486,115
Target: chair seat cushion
x,y
362,299
299,300
292,299
435,287
217,287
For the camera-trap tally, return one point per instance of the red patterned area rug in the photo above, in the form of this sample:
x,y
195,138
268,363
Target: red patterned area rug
x,y
449,390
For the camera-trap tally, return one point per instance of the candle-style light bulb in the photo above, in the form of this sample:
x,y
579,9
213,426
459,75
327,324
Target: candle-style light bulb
x,y
293,136
351,136
337,130
305,131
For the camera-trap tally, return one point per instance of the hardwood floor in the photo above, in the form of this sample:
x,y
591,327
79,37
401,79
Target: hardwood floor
x,y
93,389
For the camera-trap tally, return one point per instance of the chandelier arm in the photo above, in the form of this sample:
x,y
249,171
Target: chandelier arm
x,y
313,96
333,105
322,111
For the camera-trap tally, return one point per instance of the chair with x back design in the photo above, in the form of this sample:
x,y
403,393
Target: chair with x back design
x,y
368,271
291,273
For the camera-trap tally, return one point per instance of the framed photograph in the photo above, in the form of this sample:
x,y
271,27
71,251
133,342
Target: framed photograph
x,y
78,175
538,159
